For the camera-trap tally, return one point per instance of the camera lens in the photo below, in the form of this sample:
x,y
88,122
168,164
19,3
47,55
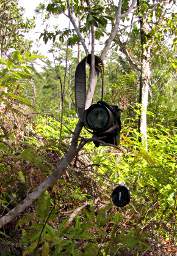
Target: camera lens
x,y
97,118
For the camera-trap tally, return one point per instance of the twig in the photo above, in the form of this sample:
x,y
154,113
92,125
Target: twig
x,y
74,214
124,50
130,9
63,92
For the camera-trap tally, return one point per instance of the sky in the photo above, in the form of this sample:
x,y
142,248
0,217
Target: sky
x,y
33,35
29,6
29,12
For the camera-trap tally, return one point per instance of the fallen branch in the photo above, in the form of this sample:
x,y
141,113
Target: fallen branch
x,y
74,214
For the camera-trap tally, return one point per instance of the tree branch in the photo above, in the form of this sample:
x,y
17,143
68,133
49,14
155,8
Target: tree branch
x,y
130,9
76,28
124,50
93,78
49,181
116,27
74,214
113,31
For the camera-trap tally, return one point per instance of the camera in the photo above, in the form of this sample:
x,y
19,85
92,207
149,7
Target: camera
x,y
103,121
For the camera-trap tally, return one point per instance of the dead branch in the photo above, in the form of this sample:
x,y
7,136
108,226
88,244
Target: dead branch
x,y
75,213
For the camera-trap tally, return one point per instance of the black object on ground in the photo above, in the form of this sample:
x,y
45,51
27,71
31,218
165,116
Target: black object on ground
x,y
120,196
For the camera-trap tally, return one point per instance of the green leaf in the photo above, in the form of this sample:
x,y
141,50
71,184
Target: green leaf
x,y
101,217
2,167
45,249
20,99
117,217
91,249
16,56
43,205
30,249
3,147
21,177
73,40
29,154
101,20
56,8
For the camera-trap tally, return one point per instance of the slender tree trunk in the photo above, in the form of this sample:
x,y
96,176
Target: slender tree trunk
x,y
93,78
34,93
144,93
146,44
144,80
78,44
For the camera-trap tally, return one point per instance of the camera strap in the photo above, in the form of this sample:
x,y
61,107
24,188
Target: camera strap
x,y
80,82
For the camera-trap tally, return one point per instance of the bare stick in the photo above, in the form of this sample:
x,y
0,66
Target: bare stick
x,y
130,9
75,213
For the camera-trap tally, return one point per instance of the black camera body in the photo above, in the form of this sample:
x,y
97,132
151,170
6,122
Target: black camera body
x,y
103,121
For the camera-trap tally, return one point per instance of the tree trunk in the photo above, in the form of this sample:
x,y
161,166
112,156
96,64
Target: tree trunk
x,y
144,92
144,79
